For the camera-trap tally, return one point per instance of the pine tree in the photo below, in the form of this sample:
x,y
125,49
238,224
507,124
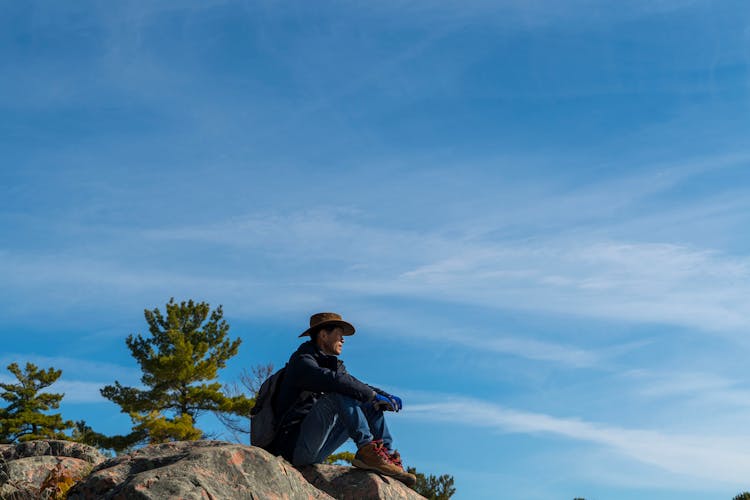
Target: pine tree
x,y
342,456
83,433
180,361
433,487
23,419
430,487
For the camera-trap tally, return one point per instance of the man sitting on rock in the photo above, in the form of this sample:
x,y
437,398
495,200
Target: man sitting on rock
x,y
321,405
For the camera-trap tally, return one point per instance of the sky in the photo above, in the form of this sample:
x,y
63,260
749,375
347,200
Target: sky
x,y
534,213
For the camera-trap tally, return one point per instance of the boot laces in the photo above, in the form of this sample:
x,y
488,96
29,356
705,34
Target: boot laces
x,y
383,452
380,450
395,459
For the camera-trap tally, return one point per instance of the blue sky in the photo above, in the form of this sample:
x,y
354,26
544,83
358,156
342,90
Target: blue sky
x,y
533,212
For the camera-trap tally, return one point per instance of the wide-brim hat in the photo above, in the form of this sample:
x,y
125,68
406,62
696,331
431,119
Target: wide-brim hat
x,y
328,319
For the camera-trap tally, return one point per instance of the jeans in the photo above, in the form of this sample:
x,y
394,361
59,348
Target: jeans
x,y
332,420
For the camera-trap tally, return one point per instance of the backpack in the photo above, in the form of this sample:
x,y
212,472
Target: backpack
x,y
263,421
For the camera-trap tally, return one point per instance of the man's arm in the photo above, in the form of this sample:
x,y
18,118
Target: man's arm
x,y
378,391
309,376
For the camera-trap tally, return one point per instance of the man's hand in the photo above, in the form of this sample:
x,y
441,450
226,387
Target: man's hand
x,y
387,402
396,402
383,403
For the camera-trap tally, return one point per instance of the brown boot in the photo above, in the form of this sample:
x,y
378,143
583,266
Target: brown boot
x,y
373,456
405,477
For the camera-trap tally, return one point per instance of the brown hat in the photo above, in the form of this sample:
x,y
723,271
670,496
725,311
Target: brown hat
x,y
323,319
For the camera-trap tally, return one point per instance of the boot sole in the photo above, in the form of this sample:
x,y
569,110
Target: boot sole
x,y
396,475
361,465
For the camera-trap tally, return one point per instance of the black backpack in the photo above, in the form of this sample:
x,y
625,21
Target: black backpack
x,y
263,421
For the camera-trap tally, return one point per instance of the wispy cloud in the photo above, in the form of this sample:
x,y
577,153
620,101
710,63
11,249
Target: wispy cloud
x,y
714,458
74,391
77,374
631,281
523,347
305,257
71,365
727,396
80,391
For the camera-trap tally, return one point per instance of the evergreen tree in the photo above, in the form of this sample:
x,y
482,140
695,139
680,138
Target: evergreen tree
x,y
432,487
23,419
742,496
180,361
342,456
83,433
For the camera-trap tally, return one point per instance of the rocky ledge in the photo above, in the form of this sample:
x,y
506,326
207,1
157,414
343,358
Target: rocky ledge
x,y
181,470
44,469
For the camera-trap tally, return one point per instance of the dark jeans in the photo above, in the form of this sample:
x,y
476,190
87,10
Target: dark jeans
x,y
332,420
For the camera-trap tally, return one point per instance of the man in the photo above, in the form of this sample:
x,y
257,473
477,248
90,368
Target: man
x,y
321,405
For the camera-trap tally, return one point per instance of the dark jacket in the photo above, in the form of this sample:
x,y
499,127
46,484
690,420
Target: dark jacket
x,y
309,375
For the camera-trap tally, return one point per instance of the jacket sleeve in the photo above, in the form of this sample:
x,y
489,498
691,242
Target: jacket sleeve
x,y
309,376
380,391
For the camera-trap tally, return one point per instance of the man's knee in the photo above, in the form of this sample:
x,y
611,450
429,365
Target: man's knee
x,y
371,410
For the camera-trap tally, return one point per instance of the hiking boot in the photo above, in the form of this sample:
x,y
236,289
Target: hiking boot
x,y
395,458
373,456
405,477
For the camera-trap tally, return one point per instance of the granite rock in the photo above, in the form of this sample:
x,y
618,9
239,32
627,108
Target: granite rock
x,y
196,470
350,483
44,469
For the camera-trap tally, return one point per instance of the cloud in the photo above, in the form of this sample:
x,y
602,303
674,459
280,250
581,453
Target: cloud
x,y
80,391
75,391
520,14
619,280
713,458
566,261
725,395
70,365
77,374
523,347
630,281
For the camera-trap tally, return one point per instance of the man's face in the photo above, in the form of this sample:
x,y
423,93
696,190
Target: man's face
x,y
331,341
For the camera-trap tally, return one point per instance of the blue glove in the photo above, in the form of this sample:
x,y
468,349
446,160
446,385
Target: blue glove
x,y
396,402
387,402
383,403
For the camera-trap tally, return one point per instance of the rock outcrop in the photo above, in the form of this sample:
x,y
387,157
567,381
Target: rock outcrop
x,y
195,470
44,469
220,470
349,483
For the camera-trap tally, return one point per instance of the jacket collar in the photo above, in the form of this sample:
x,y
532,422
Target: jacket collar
x,y
310,347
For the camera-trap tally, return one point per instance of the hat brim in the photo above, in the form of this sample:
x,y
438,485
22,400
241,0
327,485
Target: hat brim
x,y
347,327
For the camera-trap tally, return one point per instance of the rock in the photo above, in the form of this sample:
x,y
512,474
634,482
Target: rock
x,y
51,447
350,483
186,470
44,469
196,470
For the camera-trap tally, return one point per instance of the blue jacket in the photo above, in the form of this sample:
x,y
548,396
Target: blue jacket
x,y
310,374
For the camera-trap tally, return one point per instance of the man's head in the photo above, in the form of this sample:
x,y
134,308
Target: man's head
x,y
327,331
329,339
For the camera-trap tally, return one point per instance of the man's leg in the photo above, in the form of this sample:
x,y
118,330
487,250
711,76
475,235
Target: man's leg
x,y
332,419
378,427
336,417
382,438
